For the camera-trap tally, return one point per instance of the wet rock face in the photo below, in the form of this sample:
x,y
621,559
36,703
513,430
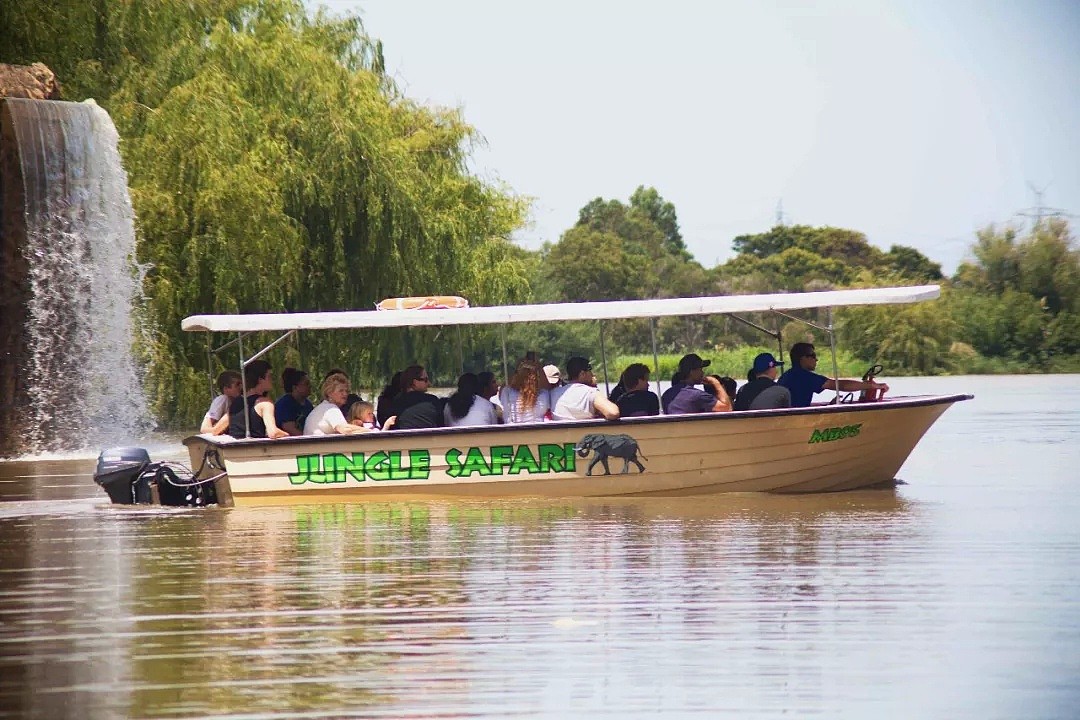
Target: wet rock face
x,y
34,82
14,290
67,285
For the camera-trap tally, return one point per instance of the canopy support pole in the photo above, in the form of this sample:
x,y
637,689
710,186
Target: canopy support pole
x,y
506,365
460,354
655,358
210,364
243,384
751,323
832,349
267,349
603,359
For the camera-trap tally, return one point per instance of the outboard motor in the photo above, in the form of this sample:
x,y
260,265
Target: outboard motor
x,y
118,471
129,478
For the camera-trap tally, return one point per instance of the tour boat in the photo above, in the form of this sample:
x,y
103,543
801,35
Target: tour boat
x,y
822,448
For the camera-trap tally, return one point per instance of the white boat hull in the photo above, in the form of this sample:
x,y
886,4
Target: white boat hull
x,y
818,449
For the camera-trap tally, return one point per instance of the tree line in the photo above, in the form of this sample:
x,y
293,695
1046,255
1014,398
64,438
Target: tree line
x,y
274,166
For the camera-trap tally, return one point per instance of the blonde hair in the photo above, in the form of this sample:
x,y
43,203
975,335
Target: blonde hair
x,y
333,382
356,412
526,381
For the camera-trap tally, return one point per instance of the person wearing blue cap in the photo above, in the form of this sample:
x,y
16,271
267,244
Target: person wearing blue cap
x,y
762,392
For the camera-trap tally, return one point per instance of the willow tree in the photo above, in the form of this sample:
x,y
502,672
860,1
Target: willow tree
x,y
273,167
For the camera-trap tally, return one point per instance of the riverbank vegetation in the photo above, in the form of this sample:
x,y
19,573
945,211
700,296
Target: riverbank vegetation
x,y
274,166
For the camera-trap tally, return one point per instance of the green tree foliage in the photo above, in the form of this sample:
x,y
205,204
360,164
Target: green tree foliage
x,y
619,251
274,167
912,338
648,202
1019,298
907,262
845,246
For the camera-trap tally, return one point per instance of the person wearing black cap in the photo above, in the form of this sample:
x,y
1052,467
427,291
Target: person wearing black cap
x,y
762,392
683,397
581,399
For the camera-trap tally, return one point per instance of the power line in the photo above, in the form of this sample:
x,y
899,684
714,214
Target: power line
x,y
1038,211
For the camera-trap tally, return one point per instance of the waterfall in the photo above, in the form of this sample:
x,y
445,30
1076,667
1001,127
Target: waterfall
x,y
83,389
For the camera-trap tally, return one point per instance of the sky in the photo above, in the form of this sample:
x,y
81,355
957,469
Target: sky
x,y
917,123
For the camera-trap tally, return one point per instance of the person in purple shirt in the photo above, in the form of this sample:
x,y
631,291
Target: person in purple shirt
x,y
804,383
683,397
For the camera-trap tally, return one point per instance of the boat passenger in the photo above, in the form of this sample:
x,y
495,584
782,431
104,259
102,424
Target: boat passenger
x,y
257,406
326,418
728,383
292,408
414,407
637,400
677,381
804,383
216,420
363,414
489,390
554,377
525,399
352,397
581,399
466,407
686,398
386,399
762,392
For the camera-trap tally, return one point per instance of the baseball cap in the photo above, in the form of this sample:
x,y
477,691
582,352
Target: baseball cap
x,y
554,375
764,361
692,361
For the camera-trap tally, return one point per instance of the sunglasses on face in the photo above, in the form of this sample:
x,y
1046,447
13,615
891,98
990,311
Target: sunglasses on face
x,y
811,355
425,378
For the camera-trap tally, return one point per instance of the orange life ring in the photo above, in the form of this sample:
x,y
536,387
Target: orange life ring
x,y
431,302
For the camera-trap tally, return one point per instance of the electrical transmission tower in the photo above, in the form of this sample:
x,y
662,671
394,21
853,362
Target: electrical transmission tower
x,y
780,213
1038,212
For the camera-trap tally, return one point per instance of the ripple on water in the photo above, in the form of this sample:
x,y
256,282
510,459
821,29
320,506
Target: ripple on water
x,y
952,596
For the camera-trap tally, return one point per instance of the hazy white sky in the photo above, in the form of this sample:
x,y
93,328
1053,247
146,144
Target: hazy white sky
x,y
914,122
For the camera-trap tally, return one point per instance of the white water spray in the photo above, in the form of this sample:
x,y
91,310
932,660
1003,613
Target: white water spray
x,y
84,386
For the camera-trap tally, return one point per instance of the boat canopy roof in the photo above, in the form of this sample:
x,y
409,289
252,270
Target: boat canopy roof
x,y
609,310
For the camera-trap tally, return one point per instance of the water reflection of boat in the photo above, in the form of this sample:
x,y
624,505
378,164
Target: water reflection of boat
x,y
798,450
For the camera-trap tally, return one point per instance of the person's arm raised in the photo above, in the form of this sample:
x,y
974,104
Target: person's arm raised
x,y
723,402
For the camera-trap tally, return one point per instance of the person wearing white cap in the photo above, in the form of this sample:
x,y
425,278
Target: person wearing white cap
x,y
554,376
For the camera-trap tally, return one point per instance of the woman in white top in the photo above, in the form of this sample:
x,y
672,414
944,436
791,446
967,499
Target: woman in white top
x,y
525,398
466,408
327,418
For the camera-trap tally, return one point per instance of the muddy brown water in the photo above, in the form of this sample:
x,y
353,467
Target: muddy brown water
x,y
955,595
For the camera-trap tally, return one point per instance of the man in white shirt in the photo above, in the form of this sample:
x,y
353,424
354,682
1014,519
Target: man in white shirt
x,y
581,399
216,420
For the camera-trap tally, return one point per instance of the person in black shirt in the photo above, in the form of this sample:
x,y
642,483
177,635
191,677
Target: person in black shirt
x,y
762,392
414,407
637,400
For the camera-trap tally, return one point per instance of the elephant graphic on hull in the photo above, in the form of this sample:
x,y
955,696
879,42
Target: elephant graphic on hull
x,y
605,446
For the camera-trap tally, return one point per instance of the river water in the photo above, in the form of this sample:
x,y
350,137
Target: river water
x,y
955,595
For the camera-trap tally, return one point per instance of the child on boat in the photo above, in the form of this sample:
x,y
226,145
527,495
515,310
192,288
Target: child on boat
x,y
362,414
